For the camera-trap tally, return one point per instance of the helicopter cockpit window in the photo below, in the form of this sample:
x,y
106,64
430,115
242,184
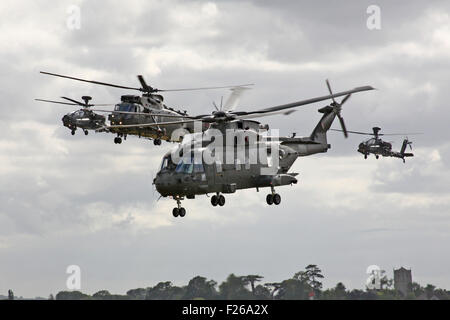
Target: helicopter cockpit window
x,y
184,167
127,107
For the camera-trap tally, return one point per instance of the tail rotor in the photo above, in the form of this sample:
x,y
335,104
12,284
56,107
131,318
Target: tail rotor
x,y
337,108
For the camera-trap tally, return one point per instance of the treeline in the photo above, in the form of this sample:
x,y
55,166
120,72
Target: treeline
x,y
303,285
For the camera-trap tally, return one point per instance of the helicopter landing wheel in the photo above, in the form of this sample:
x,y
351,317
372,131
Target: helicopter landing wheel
x,y
221,200
214,200
276,199
365,156
377,157
157,142
73,132
86,132
175,212
182,212
269,199
117,140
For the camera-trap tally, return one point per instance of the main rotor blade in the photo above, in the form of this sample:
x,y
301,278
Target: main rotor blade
x,y
75,101
234,98
329,89
153,124
143,114
354,132
59,102
303,102
380,134
91,81
205,88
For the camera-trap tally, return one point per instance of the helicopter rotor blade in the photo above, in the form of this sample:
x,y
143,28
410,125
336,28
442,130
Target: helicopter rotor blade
x,y
329,89
75,101
345,99
301,103
91,81
344,129
205,88
58,102
152,124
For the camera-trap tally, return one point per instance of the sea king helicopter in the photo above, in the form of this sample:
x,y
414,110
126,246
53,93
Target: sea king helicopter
x,y
379,147
209,161
138,115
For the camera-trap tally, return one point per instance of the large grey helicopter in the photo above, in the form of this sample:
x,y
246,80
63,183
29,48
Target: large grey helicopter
x,y
134,110
190,169
378,147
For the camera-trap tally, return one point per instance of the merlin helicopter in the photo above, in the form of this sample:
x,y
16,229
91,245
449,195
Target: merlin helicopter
x,y
133,111
221,160
379,147
84,118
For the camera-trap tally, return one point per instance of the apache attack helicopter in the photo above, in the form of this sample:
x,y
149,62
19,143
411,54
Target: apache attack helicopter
x,y
379,147
193,168
84,118
133,111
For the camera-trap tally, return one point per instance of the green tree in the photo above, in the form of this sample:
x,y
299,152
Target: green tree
x,y
199,287
293,289
234,288
71,295
137,294
164,291
252,278
311,276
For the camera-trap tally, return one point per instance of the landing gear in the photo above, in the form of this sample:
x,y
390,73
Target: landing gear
x,y
377,156
218,200
273,198
117,140
157,142
179,210
365,156
73,131
86,132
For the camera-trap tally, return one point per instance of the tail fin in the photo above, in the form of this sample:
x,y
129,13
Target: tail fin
x,y
319,133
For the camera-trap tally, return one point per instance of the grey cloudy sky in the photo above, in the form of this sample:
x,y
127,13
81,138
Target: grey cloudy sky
x,y
86,201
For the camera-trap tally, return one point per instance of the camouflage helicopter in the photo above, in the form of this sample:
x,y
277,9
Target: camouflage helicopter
x,y
379,147
84,118
133,111
190,169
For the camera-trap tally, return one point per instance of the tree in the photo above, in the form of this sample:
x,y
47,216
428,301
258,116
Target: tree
x,y
252,278
71,295
273,287
137,294
234,288
293,289
164,291
10,295
385,282
429,290
311,277
340,291
262,293
51,297
102,295
199,287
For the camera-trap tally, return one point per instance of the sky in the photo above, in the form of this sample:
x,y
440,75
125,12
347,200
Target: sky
x,y
85,201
